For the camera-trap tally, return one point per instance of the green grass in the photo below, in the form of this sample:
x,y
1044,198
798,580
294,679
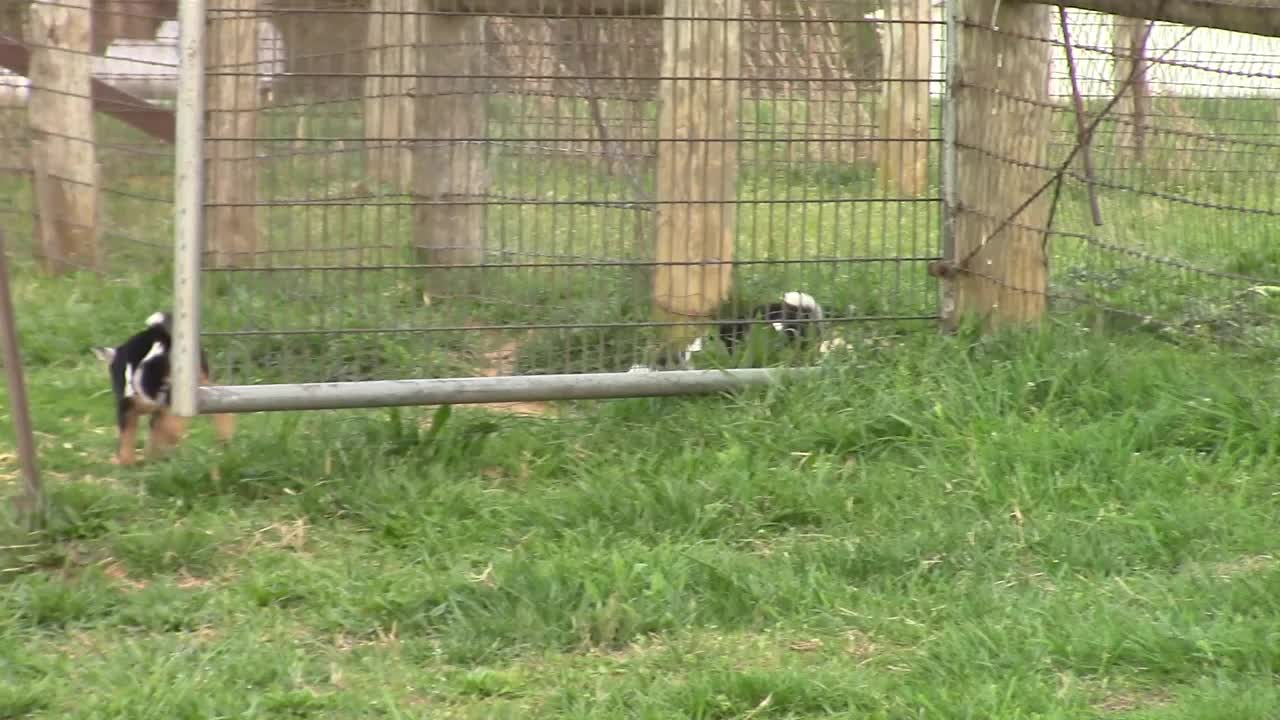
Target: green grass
x,y
1062,524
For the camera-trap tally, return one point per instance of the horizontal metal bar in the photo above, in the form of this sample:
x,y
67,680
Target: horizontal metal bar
x,y
302,202
555,326
461,391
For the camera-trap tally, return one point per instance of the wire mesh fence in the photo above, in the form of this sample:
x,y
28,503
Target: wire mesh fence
x,y
86,161
479,195
397,189
1185,176
1160,178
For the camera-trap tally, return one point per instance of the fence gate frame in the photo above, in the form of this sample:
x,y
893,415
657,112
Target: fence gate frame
x,y
190,398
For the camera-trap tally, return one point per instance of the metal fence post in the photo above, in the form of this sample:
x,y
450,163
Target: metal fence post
x,y
188,207
946,286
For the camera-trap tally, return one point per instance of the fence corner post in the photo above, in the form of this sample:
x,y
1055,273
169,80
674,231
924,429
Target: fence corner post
x,y
1002,125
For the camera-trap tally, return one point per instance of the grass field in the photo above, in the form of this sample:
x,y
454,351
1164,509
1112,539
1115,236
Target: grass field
x,y
1054,525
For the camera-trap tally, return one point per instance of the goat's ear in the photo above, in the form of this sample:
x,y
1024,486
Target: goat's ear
x,y
105,354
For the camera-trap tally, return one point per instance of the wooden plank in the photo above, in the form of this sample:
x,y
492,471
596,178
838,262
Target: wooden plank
x,y
156,121
1250,17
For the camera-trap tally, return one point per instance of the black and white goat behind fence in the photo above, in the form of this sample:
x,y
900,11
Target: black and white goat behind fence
x,y
796,318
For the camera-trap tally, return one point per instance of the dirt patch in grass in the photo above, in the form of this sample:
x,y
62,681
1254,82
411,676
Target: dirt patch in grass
x,y
1130,700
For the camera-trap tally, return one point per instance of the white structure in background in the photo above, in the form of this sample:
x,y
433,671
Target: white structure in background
x,y
1209,63
149,68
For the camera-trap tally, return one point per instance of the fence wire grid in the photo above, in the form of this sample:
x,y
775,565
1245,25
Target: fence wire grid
x,y
1159,217
337,271
97,194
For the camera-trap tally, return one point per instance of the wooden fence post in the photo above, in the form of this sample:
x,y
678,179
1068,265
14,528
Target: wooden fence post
x,y
450,168
388,103
1002,134
1129,37
64,152
904,104
697,169
231,169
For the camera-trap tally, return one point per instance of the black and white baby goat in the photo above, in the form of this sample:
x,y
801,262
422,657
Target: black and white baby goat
x,y
796,317
139,370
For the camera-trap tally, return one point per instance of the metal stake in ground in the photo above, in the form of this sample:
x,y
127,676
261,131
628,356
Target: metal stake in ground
x,y
31,505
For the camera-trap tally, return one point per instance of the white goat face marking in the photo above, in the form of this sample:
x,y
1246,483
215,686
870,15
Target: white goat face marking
x,y
799,299
779,326
155,318
803,300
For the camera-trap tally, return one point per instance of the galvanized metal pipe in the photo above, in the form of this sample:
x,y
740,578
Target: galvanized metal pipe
x,y
188,208
947,289
459,391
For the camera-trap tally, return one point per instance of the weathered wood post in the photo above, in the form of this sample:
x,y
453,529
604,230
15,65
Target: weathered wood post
x,y
231,221
132,19
1002,134
388,87
450,168
1129,36
697,168
64,156
321,37
904,103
